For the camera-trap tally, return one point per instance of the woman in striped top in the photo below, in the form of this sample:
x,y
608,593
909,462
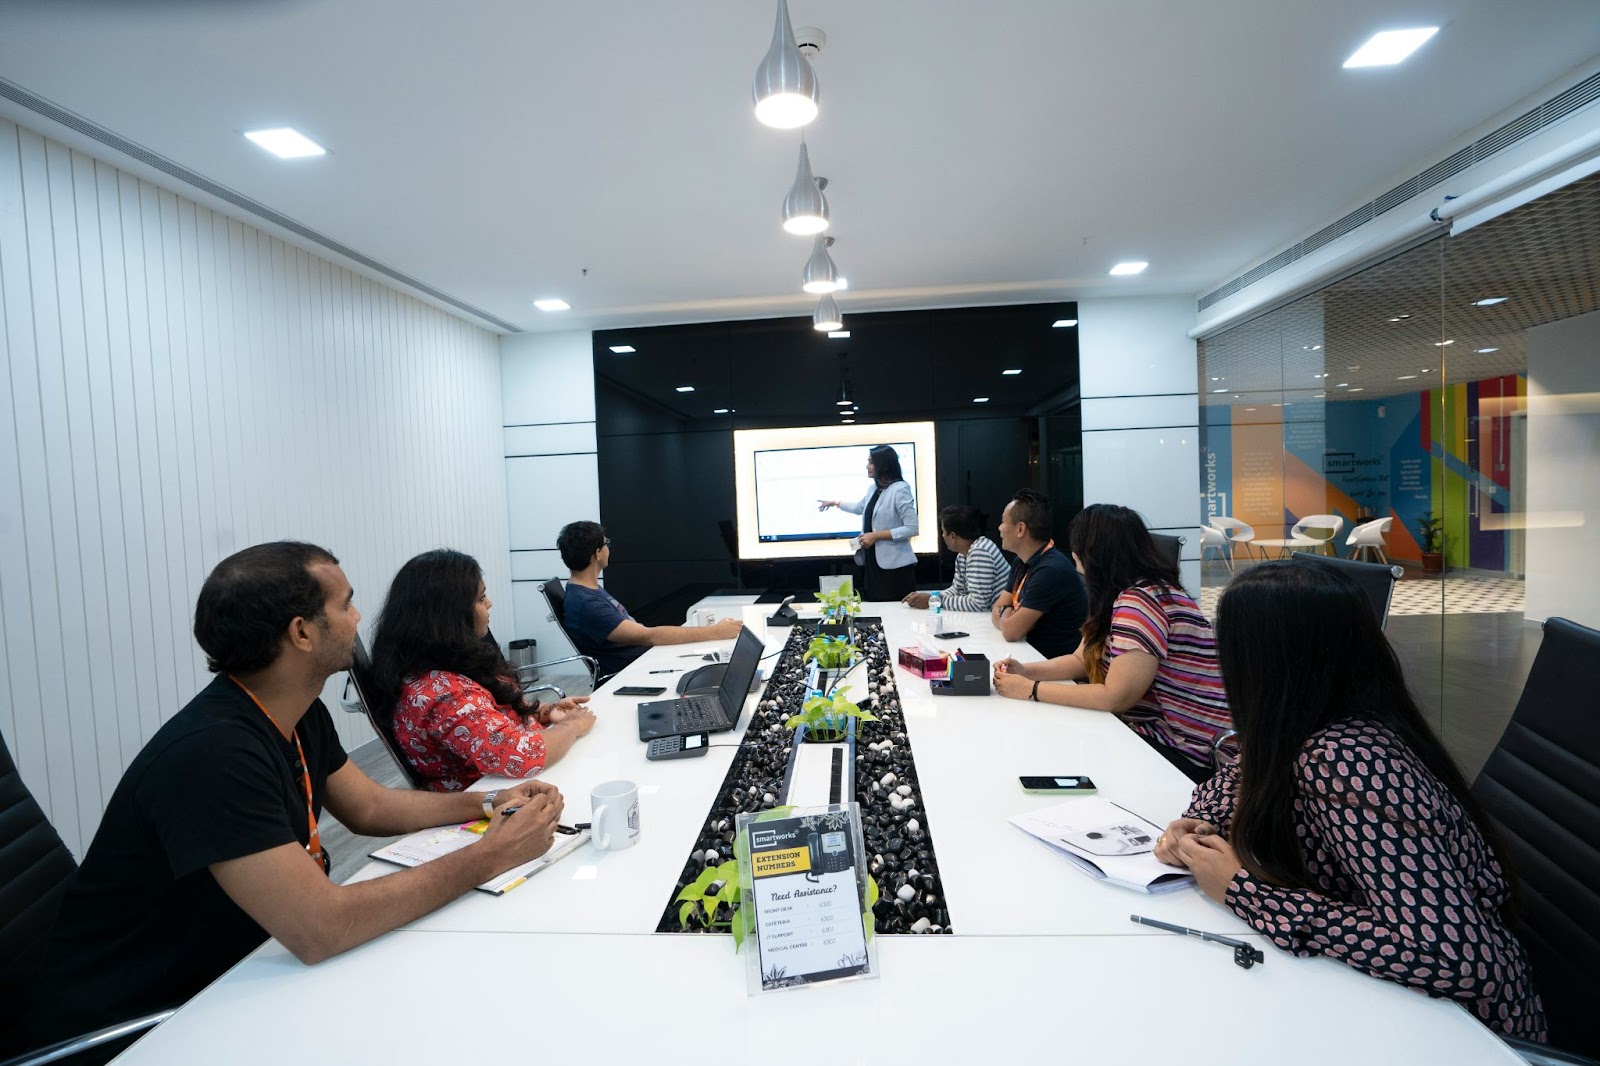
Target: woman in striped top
x,y
981,571
1148,654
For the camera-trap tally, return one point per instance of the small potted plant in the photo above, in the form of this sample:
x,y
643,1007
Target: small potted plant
x,y
1430,534
827,718
712,901
839,608
831,658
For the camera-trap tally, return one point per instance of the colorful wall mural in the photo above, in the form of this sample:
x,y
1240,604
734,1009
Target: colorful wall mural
x,y
1447,450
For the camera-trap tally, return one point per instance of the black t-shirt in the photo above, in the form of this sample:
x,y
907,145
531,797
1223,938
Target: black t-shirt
x,y
1051,584
143,925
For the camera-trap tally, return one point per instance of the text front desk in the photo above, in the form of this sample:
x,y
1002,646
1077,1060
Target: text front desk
x,y
1043,959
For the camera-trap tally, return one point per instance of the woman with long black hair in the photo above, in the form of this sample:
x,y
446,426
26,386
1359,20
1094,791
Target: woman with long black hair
x,y
1148,655
886,567
446,694
1345,829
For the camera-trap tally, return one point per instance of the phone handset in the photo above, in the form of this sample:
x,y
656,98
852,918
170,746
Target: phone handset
x,y
814,842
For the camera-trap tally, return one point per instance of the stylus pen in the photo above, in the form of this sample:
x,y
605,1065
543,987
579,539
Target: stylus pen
x,y
1226,941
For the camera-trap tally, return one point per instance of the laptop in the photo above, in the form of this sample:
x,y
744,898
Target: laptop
x,y
707,713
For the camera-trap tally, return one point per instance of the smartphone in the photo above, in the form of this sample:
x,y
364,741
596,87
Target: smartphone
x,y
952,633
639,690
1048,786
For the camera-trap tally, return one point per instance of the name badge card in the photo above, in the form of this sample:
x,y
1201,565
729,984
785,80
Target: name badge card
x,y
808,897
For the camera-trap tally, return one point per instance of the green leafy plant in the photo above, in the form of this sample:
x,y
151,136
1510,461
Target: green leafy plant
x,y
1430,531
841,602
714,897
824,716
831,653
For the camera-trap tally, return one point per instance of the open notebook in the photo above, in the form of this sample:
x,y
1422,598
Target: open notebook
x,y
1104,840
429,844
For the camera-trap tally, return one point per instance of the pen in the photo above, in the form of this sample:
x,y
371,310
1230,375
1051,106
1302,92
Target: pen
x,y
1243,954
670,670
566,829
581,826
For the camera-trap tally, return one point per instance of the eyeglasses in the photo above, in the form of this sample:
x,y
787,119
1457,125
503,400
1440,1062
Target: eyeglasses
x,y
607,544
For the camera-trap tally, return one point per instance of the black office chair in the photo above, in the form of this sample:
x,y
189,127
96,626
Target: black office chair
x,y
1376,579
1170,547
361,681
1541,790
34,868
555,595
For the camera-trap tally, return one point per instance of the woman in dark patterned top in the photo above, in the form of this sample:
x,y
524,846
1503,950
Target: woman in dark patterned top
x,y
1345,830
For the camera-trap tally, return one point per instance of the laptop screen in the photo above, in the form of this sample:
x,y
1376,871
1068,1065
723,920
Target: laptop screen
x,y
740,672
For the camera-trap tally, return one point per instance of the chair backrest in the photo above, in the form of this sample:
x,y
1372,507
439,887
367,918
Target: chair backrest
x,y
1212,537
366,691
1330,522
34,867
1371,532
1232,528
1541,789
1376,579
556,596
1169,546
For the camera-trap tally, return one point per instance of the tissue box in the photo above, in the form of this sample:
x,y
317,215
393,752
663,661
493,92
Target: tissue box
x,y
969,676
924,665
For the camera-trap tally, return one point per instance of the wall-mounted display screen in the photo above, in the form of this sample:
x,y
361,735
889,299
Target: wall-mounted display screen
x,y
782,474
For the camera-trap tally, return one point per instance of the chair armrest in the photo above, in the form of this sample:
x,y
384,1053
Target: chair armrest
x,y
1539,1054
67,1048
1217,742
531,689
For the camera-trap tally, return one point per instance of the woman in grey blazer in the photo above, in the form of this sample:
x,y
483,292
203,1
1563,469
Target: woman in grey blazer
x,y
885,564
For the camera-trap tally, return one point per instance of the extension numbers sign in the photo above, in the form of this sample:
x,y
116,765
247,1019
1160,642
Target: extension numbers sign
x,y
807,892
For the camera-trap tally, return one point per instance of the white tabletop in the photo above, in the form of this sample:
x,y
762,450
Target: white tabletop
x,y
1041,934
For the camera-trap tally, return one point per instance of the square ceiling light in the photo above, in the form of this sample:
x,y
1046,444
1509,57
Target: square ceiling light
x,y
552,303
1389,47
1066,323
623,349
285,142
1131,266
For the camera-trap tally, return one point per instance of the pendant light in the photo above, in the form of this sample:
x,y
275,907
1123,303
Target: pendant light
x,y
785,89
820,275
826,317
845,399
805,209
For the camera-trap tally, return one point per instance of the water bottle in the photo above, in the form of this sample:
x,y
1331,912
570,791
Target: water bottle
x,y
936,608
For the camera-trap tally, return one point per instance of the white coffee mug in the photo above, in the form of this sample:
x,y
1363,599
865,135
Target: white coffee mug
x,y
705,616
614,823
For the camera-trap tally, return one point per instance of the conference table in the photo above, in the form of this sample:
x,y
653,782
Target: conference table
x,y
1042,960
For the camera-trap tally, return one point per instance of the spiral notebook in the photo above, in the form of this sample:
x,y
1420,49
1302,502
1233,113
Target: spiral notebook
x,y
430,844
1106,841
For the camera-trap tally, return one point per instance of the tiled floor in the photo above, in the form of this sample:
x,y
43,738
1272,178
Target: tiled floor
x,y
1456,593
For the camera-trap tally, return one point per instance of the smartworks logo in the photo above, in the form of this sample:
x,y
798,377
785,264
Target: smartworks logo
x,y
763,838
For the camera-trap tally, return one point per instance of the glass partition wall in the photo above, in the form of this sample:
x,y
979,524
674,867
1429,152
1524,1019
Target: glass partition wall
x,y
1440,409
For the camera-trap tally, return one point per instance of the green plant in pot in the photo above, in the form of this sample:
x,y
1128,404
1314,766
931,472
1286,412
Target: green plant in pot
x,y
833,656
839,606
1430,534
826,717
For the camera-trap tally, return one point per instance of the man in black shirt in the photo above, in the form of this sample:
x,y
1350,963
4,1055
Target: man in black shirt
x,y
209,843
1046,603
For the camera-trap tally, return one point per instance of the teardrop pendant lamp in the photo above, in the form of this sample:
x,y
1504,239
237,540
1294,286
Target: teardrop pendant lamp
x,y
820,275
785,89
805,209
826,317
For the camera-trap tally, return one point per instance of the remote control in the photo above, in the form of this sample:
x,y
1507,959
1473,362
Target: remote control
x,y
678,747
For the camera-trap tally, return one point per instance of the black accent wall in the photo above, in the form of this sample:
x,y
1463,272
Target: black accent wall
x,y
666,458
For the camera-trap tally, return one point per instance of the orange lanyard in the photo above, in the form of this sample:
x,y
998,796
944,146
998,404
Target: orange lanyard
x,y
314,839
1027,568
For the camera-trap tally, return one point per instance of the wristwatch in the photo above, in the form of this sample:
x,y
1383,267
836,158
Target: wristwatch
x,y
488,802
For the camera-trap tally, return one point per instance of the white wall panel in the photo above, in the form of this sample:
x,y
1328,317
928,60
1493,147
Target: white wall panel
x,y
1153,471
178,386
547,377
1123,411
1136,346
546,492
559,438
537,565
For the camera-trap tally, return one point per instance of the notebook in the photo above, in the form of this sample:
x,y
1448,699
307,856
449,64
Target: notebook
x,y
1106,841
430,844
706,714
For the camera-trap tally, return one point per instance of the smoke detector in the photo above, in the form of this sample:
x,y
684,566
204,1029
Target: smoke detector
x,y
810,39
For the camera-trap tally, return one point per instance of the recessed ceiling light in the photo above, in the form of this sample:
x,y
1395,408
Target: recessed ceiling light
x,y
1485,351
1219,390
1013,372
847,422
1389,47
839,335
623,349
1065,323
843,283
286,143
1427,370
1132,266
1277,405
980,399
1359,388
1355,367
1490,301
1216,379
721,411
1311,347
1342,385
552,303
1249,408
1405,377
1443,344
685,388
1400,318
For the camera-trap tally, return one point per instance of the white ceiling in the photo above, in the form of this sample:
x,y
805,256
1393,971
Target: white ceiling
x,y
496,148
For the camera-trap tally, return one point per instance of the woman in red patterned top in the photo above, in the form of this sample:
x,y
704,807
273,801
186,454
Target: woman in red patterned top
x,y
1148,654
446,693
1345,830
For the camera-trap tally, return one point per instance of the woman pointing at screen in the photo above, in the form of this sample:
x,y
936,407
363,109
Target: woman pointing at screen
x,y
885,564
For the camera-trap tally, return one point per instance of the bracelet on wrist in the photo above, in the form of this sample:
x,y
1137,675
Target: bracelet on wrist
x,y
1035,696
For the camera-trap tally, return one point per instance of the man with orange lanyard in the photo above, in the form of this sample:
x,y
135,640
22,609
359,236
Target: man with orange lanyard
x,y
1046,604
209,844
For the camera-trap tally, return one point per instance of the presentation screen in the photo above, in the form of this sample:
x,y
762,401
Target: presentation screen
x,y
781,475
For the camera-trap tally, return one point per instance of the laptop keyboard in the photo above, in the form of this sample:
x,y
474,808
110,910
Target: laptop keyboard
x,y
698,714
